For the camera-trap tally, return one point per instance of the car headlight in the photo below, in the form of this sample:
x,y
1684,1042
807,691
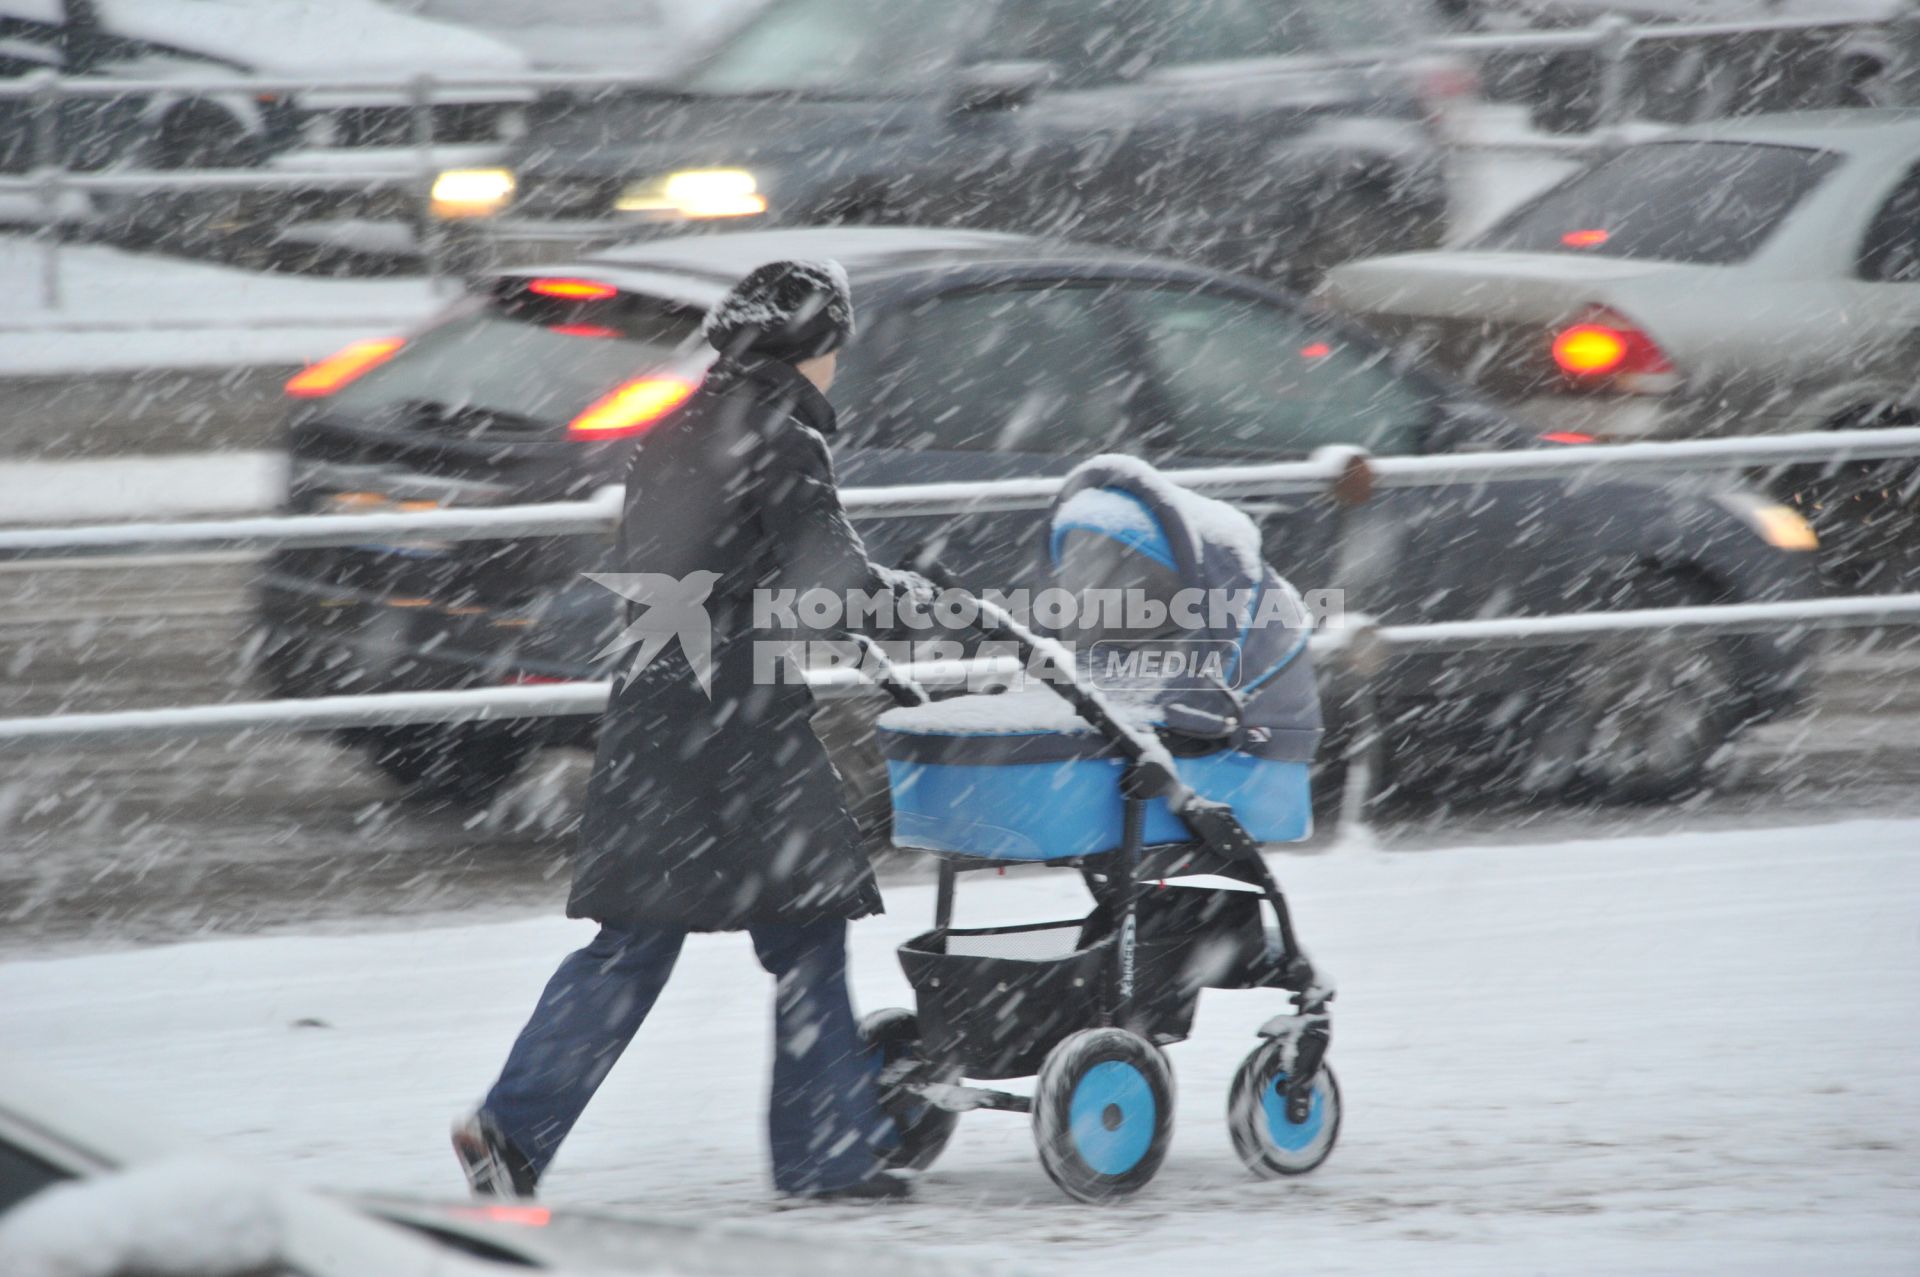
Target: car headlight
x,y
472,192
1780,526
696,193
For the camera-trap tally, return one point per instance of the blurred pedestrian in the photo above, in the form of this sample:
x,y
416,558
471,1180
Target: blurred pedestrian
x,y
712,805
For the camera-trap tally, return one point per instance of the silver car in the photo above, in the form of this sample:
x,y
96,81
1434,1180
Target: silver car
x,y
1747,277
93,1188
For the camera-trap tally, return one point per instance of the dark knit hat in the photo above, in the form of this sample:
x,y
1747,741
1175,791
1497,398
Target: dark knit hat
x,y
792,311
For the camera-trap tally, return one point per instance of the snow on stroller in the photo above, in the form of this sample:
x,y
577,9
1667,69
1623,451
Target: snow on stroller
x,y
1170,778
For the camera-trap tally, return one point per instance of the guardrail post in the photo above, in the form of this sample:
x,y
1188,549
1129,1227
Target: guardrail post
x,y
49,191
46,159
1903,30
420,95
1363,656
1613,43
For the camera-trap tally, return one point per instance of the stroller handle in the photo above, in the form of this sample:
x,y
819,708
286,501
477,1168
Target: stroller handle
x,y
904,690
1150,768
1150,771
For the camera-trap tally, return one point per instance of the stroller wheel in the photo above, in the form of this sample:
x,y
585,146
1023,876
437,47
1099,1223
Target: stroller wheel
x,y
1267,1142
924,1128
1103,1113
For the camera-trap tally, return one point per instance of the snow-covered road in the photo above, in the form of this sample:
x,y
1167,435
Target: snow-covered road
x,y
1686,1053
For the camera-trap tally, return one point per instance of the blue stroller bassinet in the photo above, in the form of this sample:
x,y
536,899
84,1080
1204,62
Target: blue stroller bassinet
x,y
1180,740
1022,776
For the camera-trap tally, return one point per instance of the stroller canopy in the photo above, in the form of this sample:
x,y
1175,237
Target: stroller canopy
x,y
1022,776
1119,524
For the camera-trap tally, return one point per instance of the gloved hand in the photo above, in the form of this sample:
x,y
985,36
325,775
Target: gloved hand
x,y
912,588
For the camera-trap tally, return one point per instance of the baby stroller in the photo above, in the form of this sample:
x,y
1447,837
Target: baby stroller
x,y
1166,777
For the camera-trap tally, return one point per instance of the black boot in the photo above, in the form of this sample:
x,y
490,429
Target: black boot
x,y
493,1166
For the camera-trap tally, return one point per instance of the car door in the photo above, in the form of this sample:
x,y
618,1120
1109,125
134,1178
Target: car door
x,y
1247,380
983,382
1160,128
29,42
1864,511
1886,283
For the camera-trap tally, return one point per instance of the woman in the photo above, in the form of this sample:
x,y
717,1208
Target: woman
x,y
712,806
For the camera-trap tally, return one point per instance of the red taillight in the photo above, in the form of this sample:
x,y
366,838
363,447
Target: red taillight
x,y
505,1213
630,408
1446,81
1443,85
1603,346
1589,350
1592,238
1568,437
573,290
583,330
1315,350
316,381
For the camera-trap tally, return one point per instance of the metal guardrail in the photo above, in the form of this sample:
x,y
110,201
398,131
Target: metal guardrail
x,y
1327,467
1360,643
1611,39
1363,649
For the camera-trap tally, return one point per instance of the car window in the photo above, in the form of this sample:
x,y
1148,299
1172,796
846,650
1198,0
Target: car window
x,y
22,1175
521,363
1890,250
1712,203
1031,370
1247,379
1094,41
838,47
1366,24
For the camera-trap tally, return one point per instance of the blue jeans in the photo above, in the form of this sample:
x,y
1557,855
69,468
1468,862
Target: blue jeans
x,y
824,1123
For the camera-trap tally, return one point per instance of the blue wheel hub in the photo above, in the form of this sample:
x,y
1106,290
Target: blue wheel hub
x,y
1293,1136
1112,1117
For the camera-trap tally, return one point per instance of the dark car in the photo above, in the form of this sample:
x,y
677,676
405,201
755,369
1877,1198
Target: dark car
x,y
987,356
1270,135
190,40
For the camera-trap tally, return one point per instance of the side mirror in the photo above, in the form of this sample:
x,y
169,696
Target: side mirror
x,y
1000,86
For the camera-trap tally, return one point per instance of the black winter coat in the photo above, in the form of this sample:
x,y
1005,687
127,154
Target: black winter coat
x,y
716,814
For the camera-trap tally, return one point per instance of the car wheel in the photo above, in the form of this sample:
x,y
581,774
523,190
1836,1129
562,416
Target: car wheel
x,y
1566,94
1353,220
1647,713
1867,514
1864,83
1683,85
455,766
225,223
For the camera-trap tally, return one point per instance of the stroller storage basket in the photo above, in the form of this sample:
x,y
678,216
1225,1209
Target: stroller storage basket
x,y
995,1000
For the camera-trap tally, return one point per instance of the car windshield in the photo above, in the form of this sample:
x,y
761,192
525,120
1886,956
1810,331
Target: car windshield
x,y
521,363
835,47
1712,203
857,47
1093,40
